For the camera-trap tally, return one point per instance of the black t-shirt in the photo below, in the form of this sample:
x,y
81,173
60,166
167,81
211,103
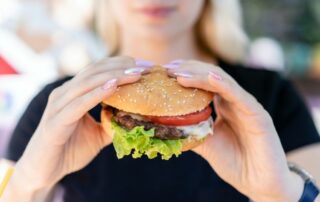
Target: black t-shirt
x,y
187,178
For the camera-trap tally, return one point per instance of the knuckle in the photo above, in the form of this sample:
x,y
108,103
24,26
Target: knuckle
x,y
54,123
54,94
229,85
92,95
122,59
105,60
64,87
67,83
85,69
193,61
93,81
127,61
265,121
126,58
94,65
191,64
115,63
83,100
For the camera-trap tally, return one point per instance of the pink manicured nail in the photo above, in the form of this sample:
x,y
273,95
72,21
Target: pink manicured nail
x,y
215,76
134,70
109,84
171,66
144,63
177,62
183,74
174,64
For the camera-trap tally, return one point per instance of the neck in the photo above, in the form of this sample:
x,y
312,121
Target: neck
x,y
162,51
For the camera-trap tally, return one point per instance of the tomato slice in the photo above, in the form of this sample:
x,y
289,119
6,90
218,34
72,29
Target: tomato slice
x,y
188,119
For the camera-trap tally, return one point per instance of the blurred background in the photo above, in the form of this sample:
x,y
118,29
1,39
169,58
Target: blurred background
x,y
40,41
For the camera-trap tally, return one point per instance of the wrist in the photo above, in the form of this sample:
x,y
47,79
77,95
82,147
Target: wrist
x,y
21,188
31,176
289,191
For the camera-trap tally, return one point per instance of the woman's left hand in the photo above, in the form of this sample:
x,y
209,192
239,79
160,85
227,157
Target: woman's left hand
x,y
245,149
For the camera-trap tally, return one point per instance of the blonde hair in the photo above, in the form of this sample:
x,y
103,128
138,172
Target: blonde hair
x,y
219,29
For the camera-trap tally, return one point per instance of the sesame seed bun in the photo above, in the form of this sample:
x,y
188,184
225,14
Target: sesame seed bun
x,y
157,94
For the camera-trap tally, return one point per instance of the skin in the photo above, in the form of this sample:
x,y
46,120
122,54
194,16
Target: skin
x,y
245,149
160,39
245,140
66,128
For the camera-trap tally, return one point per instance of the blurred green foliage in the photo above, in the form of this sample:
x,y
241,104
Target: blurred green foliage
x,y
284,20
295,24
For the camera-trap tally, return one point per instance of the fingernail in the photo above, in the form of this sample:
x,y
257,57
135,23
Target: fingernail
x,y
183,74
171,66
109,84
135,70
174,64
215,76
177,62
144,63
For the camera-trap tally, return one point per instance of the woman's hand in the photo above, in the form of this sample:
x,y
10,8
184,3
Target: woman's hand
x,y
67,138
245,149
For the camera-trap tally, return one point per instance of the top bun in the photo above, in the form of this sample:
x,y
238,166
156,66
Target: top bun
x,y
157,94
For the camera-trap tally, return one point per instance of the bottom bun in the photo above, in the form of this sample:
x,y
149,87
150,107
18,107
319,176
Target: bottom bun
x,y
187,144
106,122
191,143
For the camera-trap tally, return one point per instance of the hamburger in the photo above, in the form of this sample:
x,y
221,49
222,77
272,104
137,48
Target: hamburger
x,y
156,115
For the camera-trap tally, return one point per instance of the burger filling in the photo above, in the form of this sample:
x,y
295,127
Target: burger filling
x,y
130,121
157,135
162,132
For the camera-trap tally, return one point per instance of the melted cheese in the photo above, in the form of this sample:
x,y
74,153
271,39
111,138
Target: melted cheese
x,y
199,130
137,117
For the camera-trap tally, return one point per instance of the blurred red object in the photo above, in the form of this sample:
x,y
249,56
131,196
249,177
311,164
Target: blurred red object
x,y
5,67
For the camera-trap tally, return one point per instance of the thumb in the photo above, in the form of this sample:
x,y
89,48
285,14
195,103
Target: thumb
x,y
204,148
101,136
106,131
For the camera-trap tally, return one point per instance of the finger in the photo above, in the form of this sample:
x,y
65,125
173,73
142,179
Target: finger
x,y
196,67
105,65
194,71
189,78
76,109
88,84
216,101
119,60
223,139
122,62
214,79
106,122
123,77
228,90
100,136
232,92
224,110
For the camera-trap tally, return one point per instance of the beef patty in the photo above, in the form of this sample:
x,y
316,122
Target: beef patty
x,y
161,131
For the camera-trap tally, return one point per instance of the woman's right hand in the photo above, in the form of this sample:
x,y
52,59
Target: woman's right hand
x,y
67,138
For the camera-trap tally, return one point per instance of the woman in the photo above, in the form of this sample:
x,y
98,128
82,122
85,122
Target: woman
x,y
243,159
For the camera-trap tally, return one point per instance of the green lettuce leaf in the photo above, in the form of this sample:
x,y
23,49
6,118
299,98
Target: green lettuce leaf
x,y
139,141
